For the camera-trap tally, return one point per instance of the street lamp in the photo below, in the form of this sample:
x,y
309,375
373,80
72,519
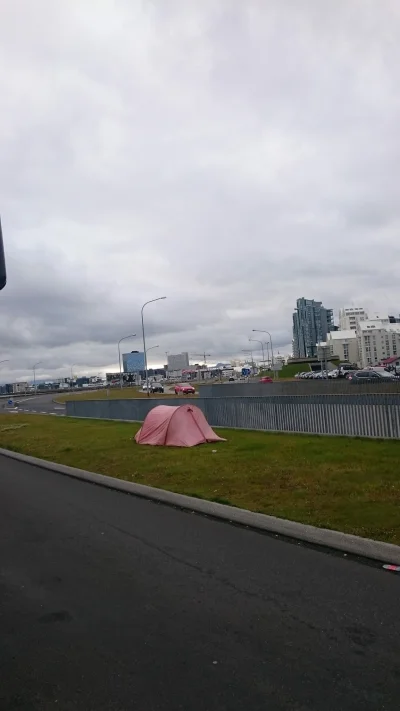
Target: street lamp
x,y
124,338
160,298
262,347
34,373
72,375
149,349
268,360
257,330
6,360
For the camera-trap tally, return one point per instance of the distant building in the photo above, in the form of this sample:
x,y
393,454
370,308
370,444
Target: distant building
x,y
179,362
344,345
133,362
311,324
15,388
378,339
393,362
350,316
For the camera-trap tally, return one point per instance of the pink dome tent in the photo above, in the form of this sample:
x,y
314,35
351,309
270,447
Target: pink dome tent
x,y
176,426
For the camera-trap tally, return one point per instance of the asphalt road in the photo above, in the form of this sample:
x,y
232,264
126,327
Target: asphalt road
x,y
40,404
110,603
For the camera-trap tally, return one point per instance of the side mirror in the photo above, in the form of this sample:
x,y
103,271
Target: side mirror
x,y
3,273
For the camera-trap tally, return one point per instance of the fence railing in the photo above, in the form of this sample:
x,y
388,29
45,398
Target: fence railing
x,y
299,387
349,415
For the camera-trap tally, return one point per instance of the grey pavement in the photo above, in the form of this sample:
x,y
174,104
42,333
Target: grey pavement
x,y
45,405
111,602
39,404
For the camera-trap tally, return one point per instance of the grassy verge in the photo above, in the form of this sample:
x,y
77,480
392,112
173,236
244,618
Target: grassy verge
x,y
351,485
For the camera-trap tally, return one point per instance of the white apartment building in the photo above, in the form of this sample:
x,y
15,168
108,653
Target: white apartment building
x,y
344,345
377,339
350,316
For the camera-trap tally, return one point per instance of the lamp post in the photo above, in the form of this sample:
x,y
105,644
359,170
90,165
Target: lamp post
x,y
267,344
262,348
167,371
34,374
72,376
257,330
124,338
147,383
6,360
160,298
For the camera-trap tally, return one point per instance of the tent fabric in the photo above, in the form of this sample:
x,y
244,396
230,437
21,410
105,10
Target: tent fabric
x,y
176,426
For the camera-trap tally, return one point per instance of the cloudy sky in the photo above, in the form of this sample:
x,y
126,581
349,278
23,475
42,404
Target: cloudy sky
x,y
231,156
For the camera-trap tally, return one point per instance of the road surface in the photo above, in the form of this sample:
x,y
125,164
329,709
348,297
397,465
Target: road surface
x,y
39,404
45,405
111,603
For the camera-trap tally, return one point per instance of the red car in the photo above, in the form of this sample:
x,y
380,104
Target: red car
x,y
184,389
266,379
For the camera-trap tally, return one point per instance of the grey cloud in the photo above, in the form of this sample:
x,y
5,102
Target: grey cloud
x,y
231,156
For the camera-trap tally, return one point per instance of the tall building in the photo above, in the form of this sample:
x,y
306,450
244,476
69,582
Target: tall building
x,y
350,316
311,324
133,362
180,361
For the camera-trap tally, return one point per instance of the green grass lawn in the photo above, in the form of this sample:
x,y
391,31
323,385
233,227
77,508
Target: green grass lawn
x,y
352,485
288,371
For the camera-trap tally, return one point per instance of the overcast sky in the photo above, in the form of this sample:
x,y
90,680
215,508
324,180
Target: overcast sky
x,y
231,156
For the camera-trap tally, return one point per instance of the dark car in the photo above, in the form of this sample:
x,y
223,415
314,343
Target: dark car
x,y
368,376
156,388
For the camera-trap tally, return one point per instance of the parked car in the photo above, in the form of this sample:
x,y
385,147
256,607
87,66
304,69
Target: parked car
x,y
369,376
349,373
184,389
231,380
266,379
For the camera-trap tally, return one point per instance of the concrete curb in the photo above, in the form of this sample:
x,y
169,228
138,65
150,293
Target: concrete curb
x,y
365,547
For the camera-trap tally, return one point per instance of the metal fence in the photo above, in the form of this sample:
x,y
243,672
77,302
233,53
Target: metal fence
x,y
298,387
349,415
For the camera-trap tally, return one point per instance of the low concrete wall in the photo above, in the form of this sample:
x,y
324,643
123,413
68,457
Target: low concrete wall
x,y
129,409
351,415
297,387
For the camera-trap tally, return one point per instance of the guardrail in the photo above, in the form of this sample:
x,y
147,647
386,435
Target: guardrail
x,y
348,415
